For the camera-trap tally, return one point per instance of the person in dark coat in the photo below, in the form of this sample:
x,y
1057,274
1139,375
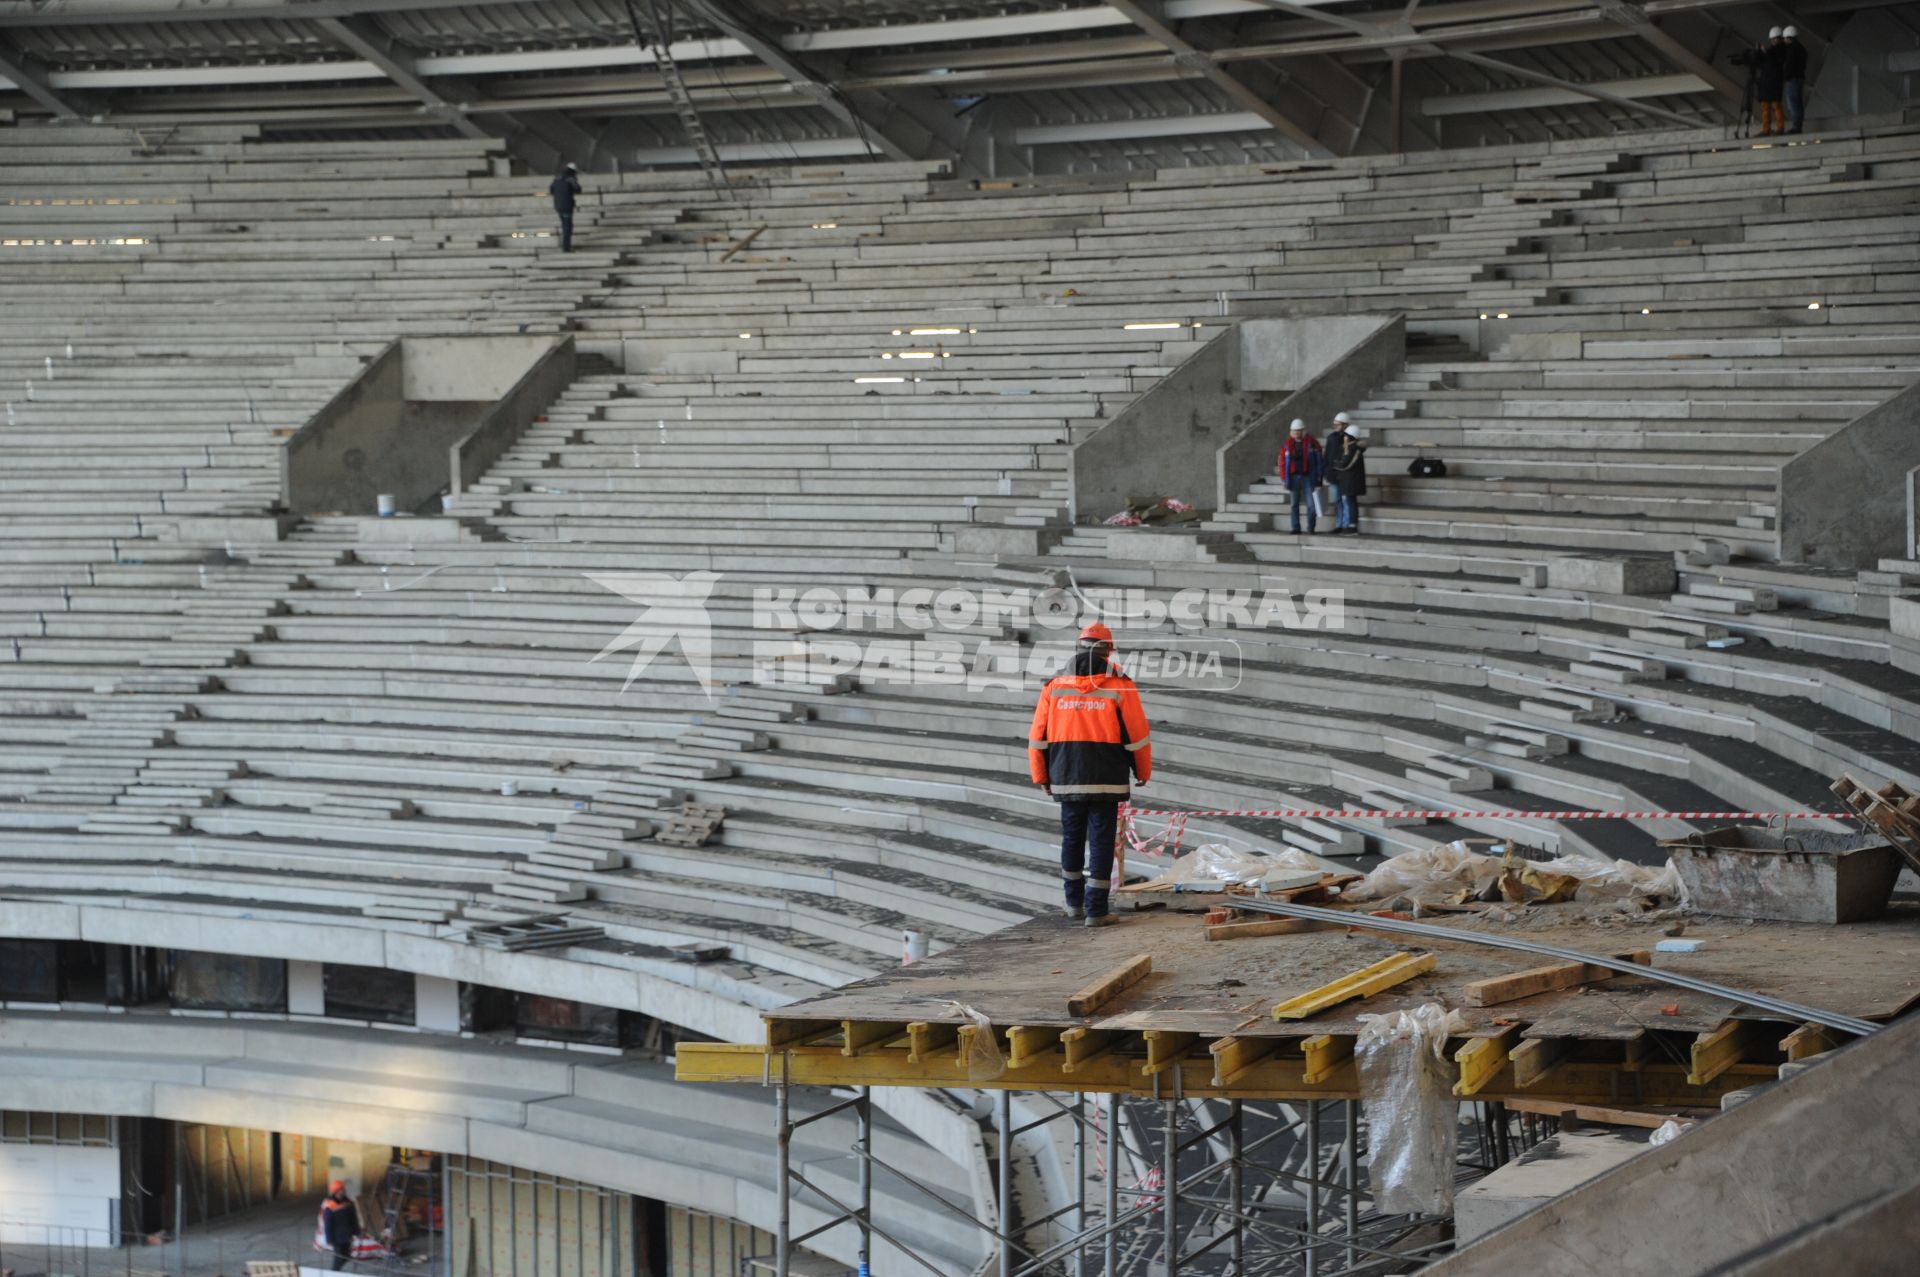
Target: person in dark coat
x,y
1793,77
565,189
339,1223
1769,83
1302,466
1346,474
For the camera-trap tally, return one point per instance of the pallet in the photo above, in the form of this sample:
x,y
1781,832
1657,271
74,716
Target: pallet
x,y
692,825
1892,809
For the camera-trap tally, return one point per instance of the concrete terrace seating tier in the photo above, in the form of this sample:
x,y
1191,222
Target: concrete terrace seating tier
x,y
352,691
617,1123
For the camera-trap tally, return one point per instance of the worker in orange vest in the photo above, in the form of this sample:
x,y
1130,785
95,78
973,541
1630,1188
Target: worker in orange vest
x,y
1088,740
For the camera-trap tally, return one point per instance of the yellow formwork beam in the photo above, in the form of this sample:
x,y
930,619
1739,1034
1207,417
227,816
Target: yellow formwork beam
x,y
1482,1060
1364,983
1329,1073
1718,1050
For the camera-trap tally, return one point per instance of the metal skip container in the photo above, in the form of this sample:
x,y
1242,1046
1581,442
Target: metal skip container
x,y
1813,875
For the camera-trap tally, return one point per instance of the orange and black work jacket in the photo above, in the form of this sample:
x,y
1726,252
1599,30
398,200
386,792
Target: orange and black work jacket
x,y
1088,734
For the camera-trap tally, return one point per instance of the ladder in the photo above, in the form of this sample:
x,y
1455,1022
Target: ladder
x,y
657,30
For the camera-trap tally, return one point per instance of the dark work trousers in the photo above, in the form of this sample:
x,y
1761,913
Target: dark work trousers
x,y
340,1259
1086,852
566,231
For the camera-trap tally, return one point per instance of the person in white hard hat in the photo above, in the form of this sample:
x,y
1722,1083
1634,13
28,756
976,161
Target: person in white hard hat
x,y
1346,474
1302,466
1793,77
1768,83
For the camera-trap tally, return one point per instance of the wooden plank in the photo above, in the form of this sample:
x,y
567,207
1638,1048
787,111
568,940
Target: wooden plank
x,y
1482,1059
1270,927
1325,1055
1547,979
1536,1058
1110,985
751,236
1719,1050
1647,1118
1364,983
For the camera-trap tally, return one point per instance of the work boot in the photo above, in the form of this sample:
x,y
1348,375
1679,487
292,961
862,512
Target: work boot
x,y
1074,912
1101,920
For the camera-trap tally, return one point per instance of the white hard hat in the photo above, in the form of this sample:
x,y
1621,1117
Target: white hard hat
x,y
1789,32
1774,34
1297,426
1342,418
1359,432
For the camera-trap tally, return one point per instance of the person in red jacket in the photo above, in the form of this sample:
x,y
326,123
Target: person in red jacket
x,y
1302,465
1088,741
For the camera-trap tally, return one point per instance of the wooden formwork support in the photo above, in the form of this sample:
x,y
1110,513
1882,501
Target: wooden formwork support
x,y
1364,983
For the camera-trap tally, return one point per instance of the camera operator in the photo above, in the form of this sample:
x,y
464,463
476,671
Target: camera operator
x,y
1769,82
1793,75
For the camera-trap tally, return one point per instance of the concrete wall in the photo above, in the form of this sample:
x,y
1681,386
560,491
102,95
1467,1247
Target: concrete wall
x,y
1333,361
329,463
1166,441
456,368
393,429
1162,443
500,428
1843,502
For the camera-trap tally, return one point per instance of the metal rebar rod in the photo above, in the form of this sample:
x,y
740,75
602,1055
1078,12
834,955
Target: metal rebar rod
x,y
783,1119
1353,1175
1003,1120
1237,1189
1170,1192
1109,1242
1313,1183
1426,931
1078,1267
863,1129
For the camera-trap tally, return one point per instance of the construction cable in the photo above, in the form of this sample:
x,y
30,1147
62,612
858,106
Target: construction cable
x,y
1427,931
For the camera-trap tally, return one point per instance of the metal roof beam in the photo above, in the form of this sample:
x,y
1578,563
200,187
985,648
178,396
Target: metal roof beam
x,y
1632,17
1150,17
361,37
881,130
13,66
1584,90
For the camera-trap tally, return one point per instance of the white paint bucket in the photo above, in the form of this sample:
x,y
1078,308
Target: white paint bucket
x,y
913,947
509,788
384,505
446,503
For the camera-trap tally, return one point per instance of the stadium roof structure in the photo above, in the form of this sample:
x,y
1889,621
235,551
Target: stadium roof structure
x,y
996,89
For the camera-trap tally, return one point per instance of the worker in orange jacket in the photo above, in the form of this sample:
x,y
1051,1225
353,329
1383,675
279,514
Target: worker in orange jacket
x,y
1088,740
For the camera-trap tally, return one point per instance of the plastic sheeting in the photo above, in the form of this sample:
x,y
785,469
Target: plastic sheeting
x,y
1215,864
1412,1117
1447,873
984,1059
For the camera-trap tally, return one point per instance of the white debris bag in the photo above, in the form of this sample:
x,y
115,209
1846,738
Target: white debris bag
x,y
1216,864
984,1059
1412,1118
1445,870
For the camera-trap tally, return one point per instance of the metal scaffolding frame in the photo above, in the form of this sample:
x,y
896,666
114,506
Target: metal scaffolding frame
x,y
1208,1196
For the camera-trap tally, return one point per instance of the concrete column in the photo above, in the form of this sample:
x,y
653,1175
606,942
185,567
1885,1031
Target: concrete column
x,y
306,989
436,1004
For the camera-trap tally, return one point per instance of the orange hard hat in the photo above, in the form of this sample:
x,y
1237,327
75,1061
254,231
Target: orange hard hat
x,y
338,1186
1096,633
